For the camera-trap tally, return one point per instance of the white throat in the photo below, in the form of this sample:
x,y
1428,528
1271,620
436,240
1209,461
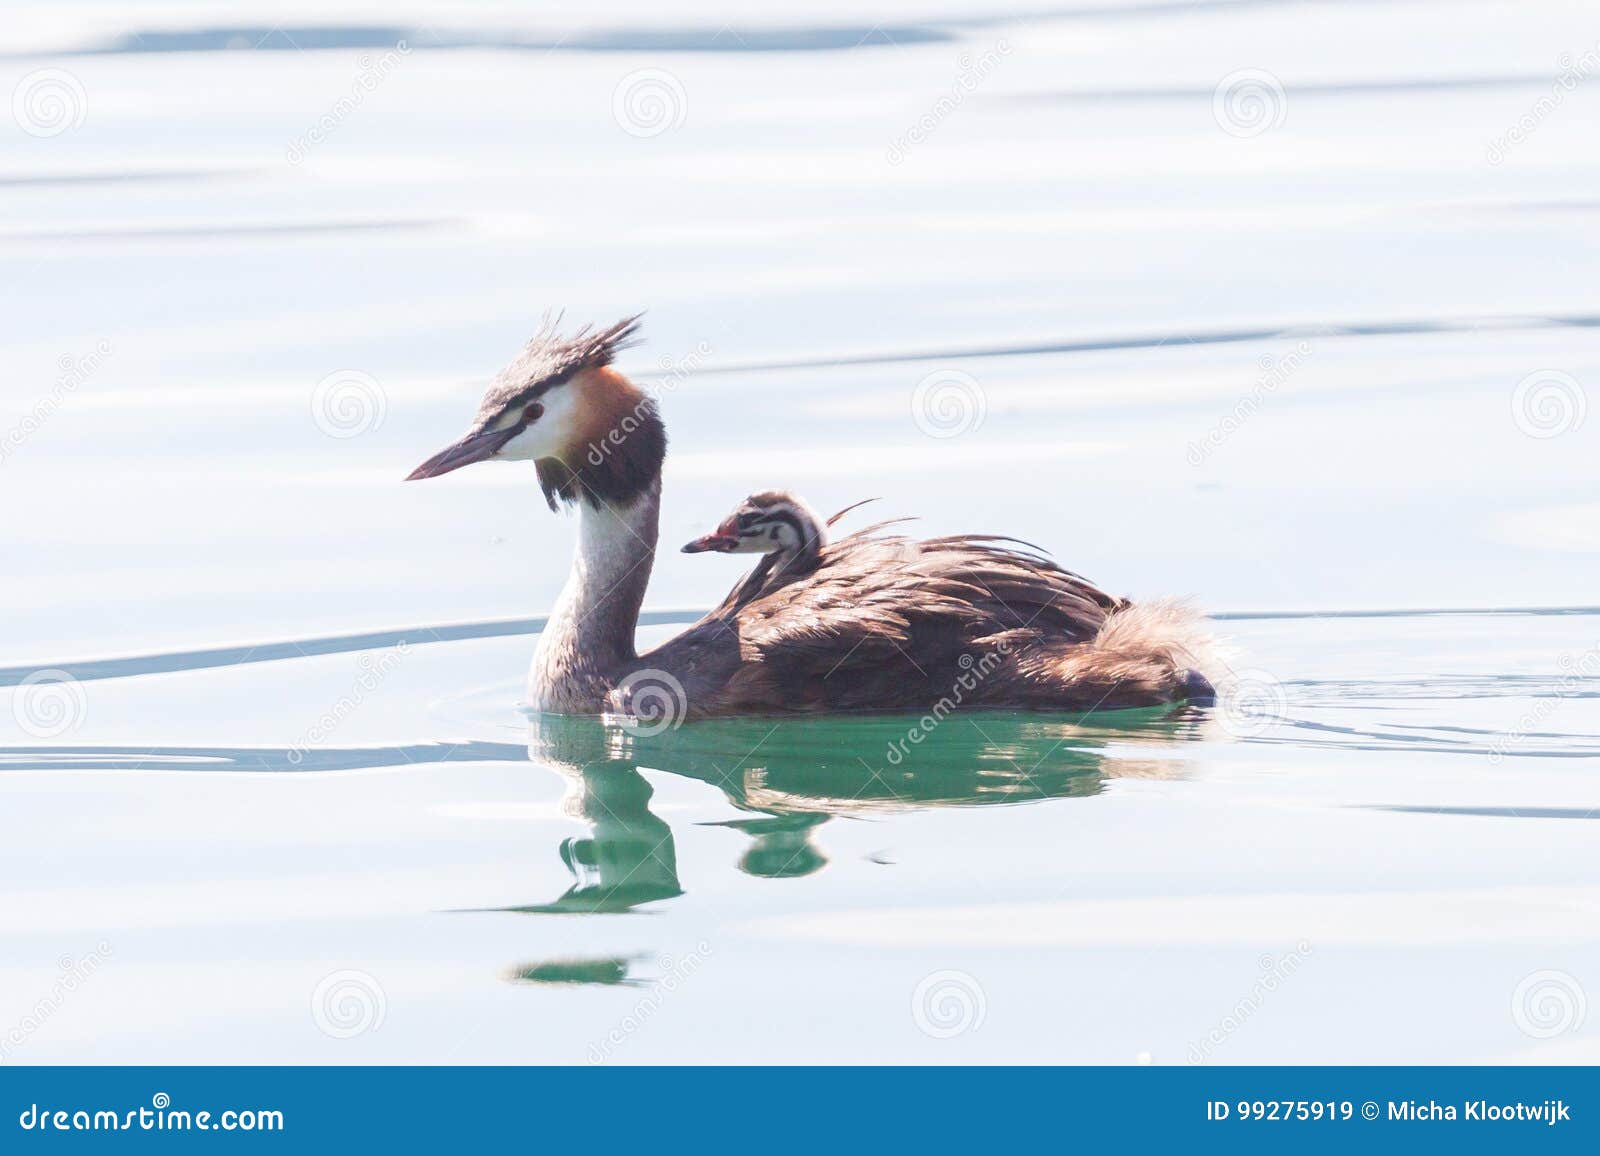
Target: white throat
x,y
589,639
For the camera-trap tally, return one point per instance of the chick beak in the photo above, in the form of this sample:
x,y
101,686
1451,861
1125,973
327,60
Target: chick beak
x,y
721,540
474,447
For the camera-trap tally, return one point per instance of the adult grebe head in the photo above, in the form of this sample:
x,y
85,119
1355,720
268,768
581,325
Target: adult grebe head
x,y
594,435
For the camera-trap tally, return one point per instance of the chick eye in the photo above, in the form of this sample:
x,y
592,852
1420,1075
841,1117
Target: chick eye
x,y
532,413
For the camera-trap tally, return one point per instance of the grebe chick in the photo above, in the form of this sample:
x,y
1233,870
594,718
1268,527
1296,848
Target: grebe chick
x,y
777,525
772,522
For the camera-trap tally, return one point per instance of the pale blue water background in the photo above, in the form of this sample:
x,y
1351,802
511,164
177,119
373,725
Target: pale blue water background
x,y
1079,235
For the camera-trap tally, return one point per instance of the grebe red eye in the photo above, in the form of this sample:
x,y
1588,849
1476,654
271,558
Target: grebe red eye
x,y
533,413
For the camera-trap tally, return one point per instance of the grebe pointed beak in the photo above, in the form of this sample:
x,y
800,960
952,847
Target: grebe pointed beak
x,y
721,543
723,539
472,448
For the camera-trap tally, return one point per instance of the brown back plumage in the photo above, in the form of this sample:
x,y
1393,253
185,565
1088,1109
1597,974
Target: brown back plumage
x,y
885,622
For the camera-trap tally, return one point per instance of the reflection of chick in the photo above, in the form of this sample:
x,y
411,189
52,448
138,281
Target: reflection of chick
x,y
781,846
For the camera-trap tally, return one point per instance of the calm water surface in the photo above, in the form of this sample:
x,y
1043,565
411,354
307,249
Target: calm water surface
x,y
1396,830
1329,378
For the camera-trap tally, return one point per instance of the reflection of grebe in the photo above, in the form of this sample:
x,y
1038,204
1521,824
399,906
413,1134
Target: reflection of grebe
x,y
881,622
629,856
793,775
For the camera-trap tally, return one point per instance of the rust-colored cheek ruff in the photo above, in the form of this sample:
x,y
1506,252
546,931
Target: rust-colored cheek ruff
x,y
617,446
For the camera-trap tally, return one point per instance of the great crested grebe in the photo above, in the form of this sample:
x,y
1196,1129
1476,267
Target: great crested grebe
x,y
881,622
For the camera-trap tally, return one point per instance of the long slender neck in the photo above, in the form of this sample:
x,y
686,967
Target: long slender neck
x,y
589,640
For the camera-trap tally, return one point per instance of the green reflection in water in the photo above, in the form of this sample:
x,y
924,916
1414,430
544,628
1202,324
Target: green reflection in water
x,y
793,775
609,971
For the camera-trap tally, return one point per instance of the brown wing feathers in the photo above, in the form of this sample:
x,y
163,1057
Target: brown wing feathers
x,y
885,622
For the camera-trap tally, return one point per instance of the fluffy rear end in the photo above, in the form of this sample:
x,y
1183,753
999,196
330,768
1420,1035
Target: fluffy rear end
x,y
1145,654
